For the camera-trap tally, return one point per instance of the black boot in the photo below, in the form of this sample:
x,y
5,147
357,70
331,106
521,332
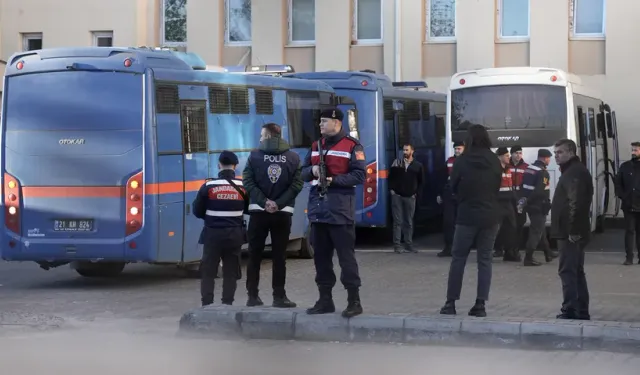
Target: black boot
x,y
283,302
449,308
478,310
324,305
254,300
628,262
498,253
529,261
354,307
207,302
550,255
446,252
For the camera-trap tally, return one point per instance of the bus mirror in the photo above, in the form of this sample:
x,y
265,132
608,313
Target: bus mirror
x,y
609,125
398,106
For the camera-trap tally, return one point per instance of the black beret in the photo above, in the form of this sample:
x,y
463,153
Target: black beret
x,y
544,153
333,113
228,158
501,151
515,149
458,144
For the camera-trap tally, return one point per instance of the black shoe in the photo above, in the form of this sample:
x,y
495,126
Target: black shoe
x,y
410,249
254,301
512,256
283,303
529,261
445,253
628,262
227,303
550,256
207,303
324,305
397,250
449,308
478,310
568,314
354,307
584,316
498,253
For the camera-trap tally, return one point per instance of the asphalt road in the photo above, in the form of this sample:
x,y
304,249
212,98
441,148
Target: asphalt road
x,y
104,352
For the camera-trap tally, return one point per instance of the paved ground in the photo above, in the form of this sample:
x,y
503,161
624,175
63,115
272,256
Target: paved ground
x,y
101,352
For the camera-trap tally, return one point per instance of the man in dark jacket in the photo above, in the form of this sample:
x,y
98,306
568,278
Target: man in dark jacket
x,y
272,178
405,182
571,226
628,190
475,180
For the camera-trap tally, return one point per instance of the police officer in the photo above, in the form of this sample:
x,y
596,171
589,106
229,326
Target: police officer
x,y
331,213
221,203
448,202
272,178
518,166
506,247
536,201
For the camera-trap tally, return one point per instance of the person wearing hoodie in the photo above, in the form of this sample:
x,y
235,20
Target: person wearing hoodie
x,y
475,180
272,179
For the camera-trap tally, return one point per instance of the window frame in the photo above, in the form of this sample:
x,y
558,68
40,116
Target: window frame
x,y
354,31
510,38
292,133
227,35
298,43
26,37
162,29
96,35
583,36
440,39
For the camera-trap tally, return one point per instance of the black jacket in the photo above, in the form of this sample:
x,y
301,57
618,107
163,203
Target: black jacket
x,y
628,185
406,181
571,201
475,180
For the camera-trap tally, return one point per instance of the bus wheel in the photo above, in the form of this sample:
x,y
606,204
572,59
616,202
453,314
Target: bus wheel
x,y
102,269
306,250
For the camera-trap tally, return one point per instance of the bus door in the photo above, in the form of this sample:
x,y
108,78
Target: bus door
x,y
613,155
589,156
193,124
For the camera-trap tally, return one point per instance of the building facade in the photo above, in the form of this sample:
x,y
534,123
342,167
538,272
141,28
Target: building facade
x,y
406,39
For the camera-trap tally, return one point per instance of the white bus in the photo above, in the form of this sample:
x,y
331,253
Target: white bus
x,y
533,108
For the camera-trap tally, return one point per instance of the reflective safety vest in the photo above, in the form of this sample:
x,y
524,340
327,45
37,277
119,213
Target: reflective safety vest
x,y
450,162
517,173
337,157
506,186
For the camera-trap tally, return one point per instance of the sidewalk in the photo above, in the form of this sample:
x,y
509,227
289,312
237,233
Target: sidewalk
x,y
407,290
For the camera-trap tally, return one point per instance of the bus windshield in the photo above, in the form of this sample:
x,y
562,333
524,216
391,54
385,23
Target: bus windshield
x,y
509,107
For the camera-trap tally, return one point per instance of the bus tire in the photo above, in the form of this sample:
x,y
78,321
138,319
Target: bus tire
x,y
102,269
306,249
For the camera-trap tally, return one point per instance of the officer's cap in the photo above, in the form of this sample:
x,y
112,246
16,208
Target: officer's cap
x,y
501,151
458,144
228,158
515,149
333,113
544,153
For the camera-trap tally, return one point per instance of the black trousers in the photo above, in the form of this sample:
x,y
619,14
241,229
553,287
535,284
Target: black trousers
x,y
221,244
325,238
631,233
507,235
521,220
449,208
260,226
575,293
537,233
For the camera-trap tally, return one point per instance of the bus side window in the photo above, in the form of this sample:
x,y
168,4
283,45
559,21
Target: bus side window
x,y
219,99
303,117
592,124
410,115
439,112
389,131
264,101
193,118
602,129
239,99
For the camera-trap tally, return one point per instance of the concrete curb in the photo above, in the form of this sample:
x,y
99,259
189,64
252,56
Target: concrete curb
x,y
295,324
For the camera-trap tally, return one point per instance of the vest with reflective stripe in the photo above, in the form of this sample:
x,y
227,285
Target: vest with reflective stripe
x,y
517,173
337,158
450,162
225,206
506,186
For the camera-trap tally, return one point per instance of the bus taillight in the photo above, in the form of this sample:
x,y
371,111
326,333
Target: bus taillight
x,y
371,185
134,205
11,203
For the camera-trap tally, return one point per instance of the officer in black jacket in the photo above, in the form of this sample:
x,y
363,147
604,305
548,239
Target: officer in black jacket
x,y
220,203
272,178
571,225
628,190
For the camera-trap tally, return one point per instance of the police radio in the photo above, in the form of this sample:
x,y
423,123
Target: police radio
x,y
322,171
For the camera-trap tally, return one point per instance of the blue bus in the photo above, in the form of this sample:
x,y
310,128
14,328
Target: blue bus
x,y
385,115
103,151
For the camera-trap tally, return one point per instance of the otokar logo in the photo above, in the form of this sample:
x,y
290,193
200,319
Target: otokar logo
x,y
509,138
71,141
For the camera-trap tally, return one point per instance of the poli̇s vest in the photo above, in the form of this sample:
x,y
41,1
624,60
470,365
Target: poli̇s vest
x,y
273,174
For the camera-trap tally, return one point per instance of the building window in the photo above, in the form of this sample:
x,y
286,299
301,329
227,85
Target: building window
x,y
238,25
588,18
367,23
514,19
103,38
441,19
174,22
302,21
31,41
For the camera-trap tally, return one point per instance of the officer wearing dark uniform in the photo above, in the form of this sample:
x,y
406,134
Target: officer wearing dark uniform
x,y
332,216
221,204
517,168
272,178
627,184
506,246
536,202
449,206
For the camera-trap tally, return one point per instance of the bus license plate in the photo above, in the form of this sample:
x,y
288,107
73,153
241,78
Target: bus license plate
x,y
73,225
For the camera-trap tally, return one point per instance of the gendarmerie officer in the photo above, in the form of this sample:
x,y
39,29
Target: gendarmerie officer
x,y
221,203
505,245
272,178
536,202
518,167
449,206
332,216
